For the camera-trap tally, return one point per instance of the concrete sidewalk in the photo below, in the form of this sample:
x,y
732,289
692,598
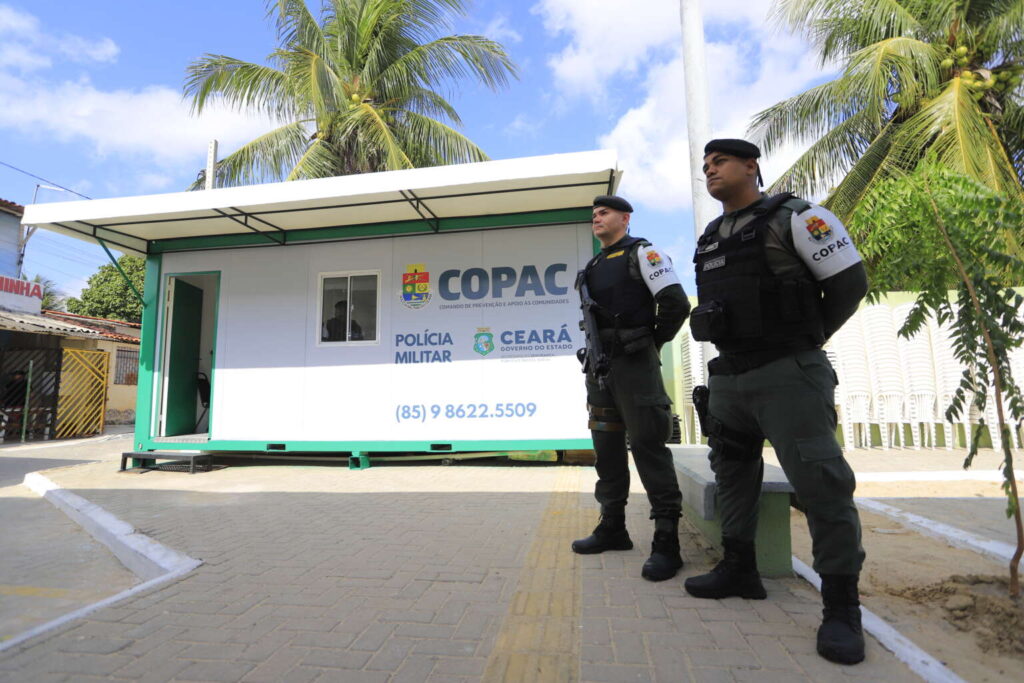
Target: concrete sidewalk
x,y
415,573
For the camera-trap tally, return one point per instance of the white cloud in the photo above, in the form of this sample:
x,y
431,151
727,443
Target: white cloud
x,y
606,38
500,30
756,68
14,22
524,125
80,49
152,123
27,47
18,57
154,181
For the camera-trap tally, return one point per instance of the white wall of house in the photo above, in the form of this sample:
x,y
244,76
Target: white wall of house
x,y
10,226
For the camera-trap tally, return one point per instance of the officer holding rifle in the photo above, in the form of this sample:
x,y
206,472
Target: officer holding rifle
x,y
632,304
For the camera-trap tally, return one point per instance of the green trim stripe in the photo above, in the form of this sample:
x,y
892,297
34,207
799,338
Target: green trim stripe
x,y
249,446
147,350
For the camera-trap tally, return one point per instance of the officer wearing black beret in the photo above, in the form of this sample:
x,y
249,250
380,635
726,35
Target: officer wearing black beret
x,y
776,277
632,296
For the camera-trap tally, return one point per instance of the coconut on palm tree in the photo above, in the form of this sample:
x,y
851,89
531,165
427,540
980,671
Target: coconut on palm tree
x,y
354,90
943,75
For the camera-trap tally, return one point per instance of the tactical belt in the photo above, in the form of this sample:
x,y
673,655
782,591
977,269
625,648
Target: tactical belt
x,y
605,419
737,363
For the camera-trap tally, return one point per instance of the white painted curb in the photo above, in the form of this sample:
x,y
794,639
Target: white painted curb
x,y
89,609
931,475
152,562
919,661
146,558
959,538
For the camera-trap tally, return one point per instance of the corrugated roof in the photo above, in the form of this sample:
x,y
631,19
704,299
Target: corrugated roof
x,y
18,321
12,208
94,324
77,316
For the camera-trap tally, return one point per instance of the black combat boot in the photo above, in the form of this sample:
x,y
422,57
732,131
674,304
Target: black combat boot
x,y
610,534
735,575
840,636
665,559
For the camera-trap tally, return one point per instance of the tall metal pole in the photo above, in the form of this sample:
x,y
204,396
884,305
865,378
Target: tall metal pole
x,y
211,166
698,128
698,131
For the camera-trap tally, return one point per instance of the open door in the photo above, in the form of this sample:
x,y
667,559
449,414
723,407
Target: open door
x,y
181,354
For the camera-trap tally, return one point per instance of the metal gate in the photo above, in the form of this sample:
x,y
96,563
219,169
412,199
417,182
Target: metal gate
x,y
81,406
28,400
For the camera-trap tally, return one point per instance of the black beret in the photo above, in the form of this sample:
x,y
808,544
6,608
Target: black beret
x,y
613,202
737,148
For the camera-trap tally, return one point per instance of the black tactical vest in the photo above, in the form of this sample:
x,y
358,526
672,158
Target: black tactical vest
x,y
742,305
618,288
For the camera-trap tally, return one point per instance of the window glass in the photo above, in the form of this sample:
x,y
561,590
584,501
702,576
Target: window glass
x,y
349,308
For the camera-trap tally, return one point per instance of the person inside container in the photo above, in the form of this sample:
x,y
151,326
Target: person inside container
x,y
336,328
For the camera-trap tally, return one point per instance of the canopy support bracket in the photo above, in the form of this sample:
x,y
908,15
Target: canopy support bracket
x,y
417,204
117,265
269,236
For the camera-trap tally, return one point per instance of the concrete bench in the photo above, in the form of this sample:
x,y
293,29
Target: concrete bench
x,y
697,483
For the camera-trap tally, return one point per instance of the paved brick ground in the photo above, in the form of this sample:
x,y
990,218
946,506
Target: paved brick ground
x,y
422,573
49,566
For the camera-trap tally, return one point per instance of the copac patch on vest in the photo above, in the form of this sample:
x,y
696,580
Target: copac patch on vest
x,y
822,242
656,269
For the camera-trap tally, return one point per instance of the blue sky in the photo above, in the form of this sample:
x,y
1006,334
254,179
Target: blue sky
x,y
91,95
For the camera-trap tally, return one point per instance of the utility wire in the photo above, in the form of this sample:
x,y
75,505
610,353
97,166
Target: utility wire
x,y
50,182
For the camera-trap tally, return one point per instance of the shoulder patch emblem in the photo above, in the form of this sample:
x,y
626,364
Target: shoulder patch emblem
x,y
819,230
654,258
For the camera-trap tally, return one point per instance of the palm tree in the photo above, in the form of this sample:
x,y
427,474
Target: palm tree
x,y
943,75
53,298
354,91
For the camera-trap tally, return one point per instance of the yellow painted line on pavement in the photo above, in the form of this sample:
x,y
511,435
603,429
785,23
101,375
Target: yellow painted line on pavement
x,y
47,592
539,637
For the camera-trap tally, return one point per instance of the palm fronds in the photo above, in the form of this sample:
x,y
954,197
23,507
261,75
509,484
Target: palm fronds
x,y
915,74
354,89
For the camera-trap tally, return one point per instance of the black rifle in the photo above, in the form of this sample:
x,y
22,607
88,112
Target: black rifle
x,y
595,360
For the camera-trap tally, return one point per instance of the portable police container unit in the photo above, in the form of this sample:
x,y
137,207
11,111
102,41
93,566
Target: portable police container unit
x,y
426,310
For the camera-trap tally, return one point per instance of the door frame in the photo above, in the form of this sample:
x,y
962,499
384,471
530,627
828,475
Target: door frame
x,y
166,317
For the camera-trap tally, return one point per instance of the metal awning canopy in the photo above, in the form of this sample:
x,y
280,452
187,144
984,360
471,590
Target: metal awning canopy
x,y
391,202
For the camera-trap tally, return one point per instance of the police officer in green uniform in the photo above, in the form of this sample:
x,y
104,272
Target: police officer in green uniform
x,y
636,304
776,277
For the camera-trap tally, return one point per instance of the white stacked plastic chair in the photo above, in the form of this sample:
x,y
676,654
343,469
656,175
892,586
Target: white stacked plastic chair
x,y
888,385
948,371
686,411
853,394
919,367
1017,370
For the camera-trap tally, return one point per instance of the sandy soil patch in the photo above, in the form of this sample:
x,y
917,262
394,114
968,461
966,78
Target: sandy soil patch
x,y
952,603
929,489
